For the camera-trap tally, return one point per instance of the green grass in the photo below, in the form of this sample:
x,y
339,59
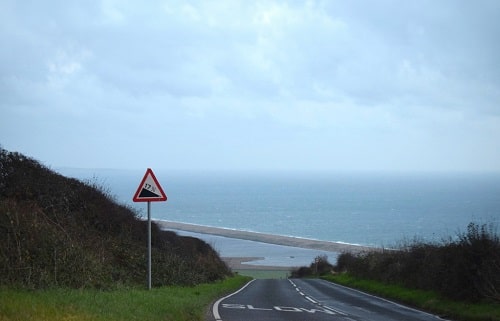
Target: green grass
x,y
264,274
166,303
426,300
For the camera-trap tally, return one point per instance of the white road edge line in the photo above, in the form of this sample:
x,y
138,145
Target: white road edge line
x,y
215,308
386,300
311,300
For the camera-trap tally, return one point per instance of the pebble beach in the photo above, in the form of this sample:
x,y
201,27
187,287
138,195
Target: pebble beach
x,y
252,250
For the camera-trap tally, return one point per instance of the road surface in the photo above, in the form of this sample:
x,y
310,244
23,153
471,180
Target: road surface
x,y
309,300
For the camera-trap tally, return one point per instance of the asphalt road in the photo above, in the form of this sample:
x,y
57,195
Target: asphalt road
x,y
309,300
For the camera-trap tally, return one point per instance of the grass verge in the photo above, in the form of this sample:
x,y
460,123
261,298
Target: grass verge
x,y
425,300
264,274
166,303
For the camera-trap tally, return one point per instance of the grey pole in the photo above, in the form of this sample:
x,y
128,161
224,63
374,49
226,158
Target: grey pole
x,y
149,245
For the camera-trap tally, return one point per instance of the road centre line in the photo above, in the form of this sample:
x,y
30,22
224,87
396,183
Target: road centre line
x,y
310,299
324,308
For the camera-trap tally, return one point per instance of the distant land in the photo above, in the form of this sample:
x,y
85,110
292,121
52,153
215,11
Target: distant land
x,y
266,238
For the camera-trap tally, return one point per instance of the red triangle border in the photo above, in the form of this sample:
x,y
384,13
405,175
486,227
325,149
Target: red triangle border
x,y
161,198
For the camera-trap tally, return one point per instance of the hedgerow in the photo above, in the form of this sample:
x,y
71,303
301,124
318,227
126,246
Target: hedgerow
x,y
59,231
467,268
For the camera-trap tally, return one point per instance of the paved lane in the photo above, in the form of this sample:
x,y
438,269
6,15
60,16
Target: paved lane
x,y
309,300
358,305
269,299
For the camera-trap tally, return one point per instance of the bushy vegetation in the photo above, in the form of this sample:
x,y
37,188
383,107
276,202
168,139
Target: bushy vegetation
x,y
464,269
320,266
457,278
426,300
467,268
58,231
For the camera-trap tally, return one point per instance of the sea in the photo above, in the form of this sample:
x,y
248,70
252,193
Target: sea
x,y
380,209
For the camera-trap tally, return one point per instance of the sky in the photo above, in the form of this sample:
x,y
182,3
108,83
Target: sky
x,y
243,85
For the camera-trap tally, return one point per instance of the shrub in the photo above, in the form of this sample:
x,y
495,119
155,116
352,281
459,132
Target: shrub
x,y
465,269
320,266
60,231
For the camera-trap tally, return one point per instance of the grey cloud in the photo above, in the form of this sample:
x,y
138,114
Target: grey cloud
x,y
277,76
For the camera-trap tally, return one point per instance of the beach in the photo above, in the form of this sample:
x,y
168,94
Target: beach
x,y
246,263
243,250
266,238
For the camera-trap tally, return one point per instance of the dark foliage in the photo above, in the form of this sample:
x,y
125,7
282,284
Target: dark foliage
x,y
320,266
60,231
465,269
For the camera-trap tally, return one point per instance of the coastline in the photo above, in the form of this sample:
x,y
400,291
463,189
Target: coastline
x,y
304,243
245,263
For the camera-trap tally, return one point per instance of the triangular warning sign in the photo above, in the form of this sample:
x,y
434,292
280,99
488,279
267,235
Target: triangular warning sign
x,y
149,190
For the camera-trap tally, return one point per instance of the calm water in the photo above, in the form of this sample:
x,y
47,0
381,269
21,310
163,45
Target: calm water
x,y
378,209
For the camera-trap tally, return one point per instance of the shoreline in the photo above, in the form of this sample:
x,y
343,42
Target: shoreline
x,y
245,264
304,243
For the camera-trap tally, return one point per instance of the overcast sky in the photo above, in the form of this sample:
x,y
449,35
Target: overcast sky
x,y
314,85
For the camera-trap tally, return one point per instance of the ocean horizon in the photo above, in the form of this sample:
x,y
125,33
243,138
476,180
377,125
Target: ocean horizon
x,y
370,208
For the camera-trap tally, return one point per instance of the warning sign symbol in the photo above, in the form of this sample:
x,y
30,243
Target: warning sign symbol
x,y
149,190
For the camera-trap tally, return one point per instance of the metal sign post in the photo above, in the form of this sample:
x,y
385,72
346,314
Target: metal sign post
x,y
149,190
149,245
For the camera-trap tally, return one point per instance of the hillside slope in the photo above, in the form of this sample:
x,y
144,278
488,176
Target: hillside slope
x,y
59,231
